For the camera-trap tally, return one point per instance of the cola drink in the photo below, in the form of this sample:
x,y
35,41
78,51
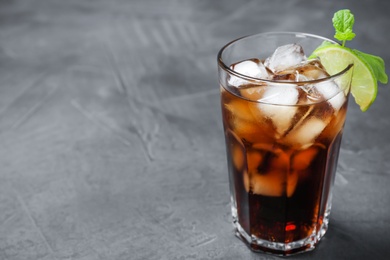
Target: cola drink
x,y
283,120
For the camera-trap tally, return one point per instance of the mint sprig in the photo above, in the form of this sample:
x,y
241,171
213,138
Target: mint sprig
x,y
343,22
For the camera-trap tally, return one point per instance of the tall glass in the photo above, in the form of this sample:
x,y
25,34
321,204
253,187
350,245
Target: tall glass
x,y
282,159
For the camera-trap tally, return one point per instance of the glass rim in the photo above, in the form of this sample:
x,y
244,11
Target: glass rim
x,y
227,68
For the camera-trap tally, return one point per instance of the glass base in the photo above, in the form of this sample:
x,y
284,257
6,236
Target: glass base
x,y
281,249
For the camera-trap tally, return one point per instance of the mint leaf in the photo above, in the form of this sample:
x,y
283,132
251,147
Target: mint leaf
x,y
343,21
376,64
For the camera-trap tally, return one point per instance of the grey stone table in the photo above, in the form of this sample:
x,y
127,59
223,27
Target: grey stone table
x,y
111,142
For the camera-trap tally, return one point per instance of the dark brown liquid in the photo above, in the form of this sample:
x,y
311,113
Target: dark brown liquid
x,y
281,188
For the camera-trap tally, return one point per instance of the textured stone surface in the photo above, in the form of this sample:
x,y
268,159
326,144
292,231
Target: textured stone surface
x,y
111,143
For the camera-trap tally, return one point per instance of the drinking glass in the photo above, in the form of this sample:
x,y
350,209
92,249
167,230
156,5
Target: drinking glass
x,y
281,157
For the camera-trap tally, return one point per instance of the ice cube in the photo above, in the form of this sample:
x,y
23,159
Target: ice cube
x,y
252,93
254,159
252,68
269,175
268,172
304,134
242,121
337,101
311,72
287,76
284,57
304,71
274,184
280,107
302,159
236,150
331,92
238,156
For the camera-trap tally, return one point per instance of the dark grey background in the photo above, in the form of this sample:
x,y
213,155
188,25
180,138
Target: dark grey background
x,y
111,143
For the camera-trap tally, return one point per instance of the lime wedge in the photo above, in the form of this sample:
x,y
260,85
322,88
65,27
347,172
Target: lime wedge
x,y
364,85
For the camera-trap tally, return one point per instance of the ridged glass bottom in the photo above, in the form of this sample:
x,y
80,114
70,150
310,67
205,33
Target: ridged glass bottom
x,y
282,249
